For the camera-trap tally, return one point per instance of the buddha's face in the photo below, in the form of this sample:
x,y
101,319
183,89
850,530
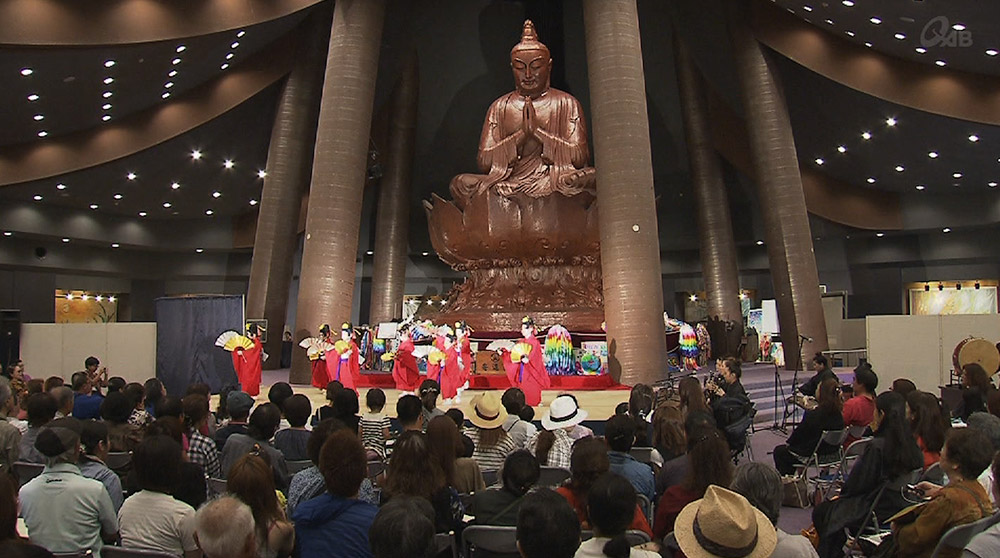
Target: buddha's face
x,y
531,71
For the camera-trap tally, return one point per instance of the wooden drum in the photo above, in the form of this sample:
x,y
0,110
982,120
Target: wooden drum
x,y
979,351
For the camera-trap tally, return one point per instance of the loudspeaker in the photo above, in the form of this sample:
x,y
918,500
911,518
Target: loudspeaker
x,y
10,337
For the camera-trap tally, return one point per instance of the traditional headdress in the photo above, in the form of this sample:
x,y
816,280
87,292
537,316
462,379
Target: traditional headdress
x,y
529,39
324,329
527,321
346,326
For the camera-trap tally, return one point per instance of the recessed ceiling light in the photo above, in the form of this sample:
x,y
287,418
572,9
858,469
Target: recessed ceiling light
x,y
867,44
37,197
109,80
118,196
991,184
8,233
933,154
199,250
890,121
253,202
65,240
425,253
38,117
921,50
165,95
69,296
93,206
958,27
841,149
866,135
60,186
230,56
209,212
849,33
240,34
168,85
807,8
107,94
370,252
829,22
819,161
109,63
973,138
111,299
115,245
236,44
848,3
879,234
26,71
875,20
991,52
166,205
871,180
174,185
899,168
920,186
899,36
228,163
175,61
33,97
142,214
131,176
106,117
760,243
946,230
106,106
98,298
181,48
957,175
216,194
940,62
261,174
42,134
196,154
172,73
224,66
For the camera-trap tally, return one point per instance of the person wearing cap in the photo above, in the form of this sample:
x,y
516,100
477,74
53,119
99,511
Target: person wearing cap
x,y
238,404
553,447
63,510
345,366
247,362
528,372
724,524
404,368
493,445
320,376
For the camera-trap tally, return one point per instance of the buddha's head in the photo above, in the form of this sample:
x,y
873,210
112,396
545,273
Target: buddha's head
x,y
531,63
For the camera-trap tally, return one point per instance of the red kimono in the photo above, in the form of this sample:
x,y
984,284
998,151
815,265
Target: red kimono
x,y
531,377
466,361
247,364
346,371
451,374
405,370
320,378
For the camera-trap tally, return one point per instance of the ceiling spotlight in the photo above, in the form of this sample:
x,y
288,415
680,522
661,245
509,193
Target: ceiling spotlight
x,y
107,94
106,106
875,20
166,94
370,253
760,243
38,117
37,197
956,175
98,298
932,154
228,163
111,299
109,63
33,97
65,240
946,230
849,33
142,214
118,196
867,44
958,286
109,80
93,206
871,180
175,61
42,134
172,73
26,72
230,56
829,22
60,186
168,85
927,286
84,297
977,285
131,176
261,174
899,168
819,161
181,48
899,36
196,154
174,185
694,298
253,202
224,66
115,245
199,250
209,212
890,121
866,135
69,296
991,184
958,27
991,52
841,149
166,205
425,253
879,234
236,44
216,195
807,8
8,233
921,50
940,287
848,3
973,138
240,34
920,186
940,62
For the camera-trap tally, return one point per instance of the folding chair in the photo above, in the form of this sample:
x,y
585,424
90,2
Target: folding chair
x,y
825,462
552,476
960,535
296,466
646,506
375,468
636,537
119,461
26,471
446,542
814,459
933,474
642,454
490,477
119,552
467,501
670,542
479,541
78,554
216,486
851,454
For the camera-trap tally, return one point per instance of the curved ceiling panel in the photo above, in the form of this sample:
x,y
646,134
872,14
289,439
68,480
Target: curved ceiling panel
x,y
941,91
103,22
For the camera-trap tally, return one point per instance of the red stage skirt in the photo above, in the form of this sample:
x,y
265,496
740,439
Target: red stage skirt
x,y
499,381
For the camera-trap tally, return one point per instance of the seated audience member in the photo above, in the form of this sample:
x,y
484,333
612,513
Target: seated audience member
x,y
821,366
63,510
966,453
546,526
97,376
903,386
65,399
987,543
859,409
589,462
191,487
10,436
619,432
461,473
375,425
429,391
201,449
887,462
554,445
51,383
676,470
346,408
468,446
520,431
326,411
116,410
41,409
224,528
238,404
308,483
94,439
669,440
710,463
413,472
692,396
11,544
116,383
86,401
990,426
137,397
261,428
403,527
761,485
152,519
154,392
976,389
499,506
723,523
928,424
337,523
252,481
640,410
493,445
278,394
526,414
610,505
732,374
291,441
209,427
409,413
801,444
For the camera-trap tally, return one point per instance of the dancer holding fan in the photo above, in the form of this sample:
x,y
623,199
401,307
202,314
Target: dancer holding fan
x,y
343,363
404,369
247,356
525,365
316,348
465,352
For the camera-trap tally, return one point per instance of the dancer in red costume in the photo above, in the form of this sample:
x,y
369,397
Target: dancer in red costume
x,y
319,373
451,372
465,351
529,374
247,363
345,366
404,370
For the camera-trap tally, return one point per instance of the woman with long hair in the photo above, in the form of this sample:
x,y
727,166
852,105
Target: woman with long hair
x,y
710,463
251,480
445,442
668,432
640,409
414,472
609,507
928,424
976,390
692,396
828,415
884,467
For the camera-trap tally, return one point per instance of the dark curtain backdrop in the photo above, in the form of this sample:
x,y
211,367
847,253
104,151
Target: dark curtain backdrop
x,y
186,330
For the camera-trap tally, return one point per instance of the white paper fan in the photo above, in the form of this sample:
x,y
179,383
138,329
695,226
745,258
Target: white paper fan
x,y
421,351
500,344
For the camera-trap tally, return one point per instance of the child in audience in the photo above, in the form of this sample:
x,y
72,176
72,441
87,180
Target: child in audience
x,y
292,441
326,411
374,424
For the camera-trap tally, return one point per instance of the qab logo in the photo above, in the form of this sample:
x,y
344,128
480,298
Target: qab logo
x,y
940,33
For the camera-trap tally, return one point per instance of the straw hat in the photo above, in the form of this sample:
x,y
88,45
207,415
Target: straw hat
x,y
487,412
563,412
724,524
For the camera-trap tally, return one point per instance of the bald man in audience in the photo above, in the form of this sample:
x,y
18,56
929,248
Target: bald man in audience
x,y
65,399
224,528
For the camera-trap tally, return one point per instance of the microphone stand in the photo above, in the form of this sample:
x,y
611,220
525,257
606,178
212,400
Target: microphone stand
x,y
778,388
795,381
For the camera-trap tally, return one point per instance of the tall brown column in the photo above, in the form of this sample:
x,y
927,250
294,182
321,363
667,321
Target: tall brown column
x,y
630,245
329,257
715,228
389,274
289,163
779,185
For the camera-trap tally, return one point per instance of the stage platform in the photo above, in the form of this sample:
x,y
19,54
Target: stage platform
x,y
499,381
